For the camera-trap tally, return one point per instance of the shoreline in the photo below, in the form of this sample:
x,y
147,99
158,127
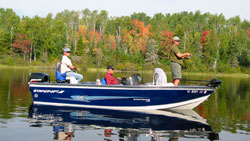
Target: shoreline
x,y
144,71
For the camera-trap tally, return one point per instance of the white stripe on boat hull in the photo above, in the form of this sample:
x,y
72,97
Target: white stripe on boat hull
x,y
190,104
113,87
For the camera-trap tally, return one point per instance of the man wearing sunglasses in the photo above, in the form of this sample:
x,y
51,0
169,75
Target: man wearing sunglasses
x,y
176,58
68,67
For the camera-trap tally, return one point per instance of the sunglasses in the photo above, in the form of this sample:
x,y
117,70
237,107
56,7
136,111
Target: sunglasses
x,y
177,41
68,52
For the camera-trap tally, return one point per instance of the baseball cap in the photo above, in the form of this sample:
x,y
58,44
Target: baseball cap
x,y
110,67
176,38
66,50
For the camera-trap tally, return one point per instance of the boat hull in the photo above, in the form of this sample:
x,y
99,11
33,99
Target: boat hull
x,y
119,97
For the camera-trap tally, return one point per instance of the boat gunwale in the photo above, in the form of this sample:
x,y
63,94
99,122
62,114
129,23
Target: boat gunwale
x,y
32,84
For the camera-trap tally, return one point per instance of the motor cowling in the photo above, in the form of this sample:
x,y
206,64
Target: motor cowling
x,y
39,77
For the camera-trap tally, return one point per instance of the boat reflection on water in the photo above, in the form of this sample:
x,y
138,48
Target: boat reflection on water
x,y
128,124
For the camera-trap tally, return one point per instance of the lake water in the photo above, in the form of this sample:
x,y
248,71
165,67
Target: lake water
x,y
224,116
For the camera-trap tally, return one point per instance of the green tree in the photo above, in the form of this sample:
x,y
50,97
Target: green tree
x,y
8,23
141,17
152,53
80,48
102,21
233,52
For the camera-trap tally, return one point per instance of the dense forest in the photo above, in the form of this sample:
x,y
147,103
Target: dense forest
x,y
132,42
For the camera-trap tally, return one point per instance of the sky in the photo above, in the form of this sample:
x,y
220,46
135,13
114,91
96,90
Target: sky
x,y
229,8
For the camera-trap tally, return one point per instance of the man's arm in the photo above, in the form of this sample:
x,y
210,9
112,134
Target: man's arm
x,y
68,63
72,67
110,80
183,55
177,52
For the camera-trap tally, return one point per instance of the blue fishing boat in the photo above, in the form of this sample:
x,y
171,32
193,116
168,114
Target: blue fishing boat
x,y
133,96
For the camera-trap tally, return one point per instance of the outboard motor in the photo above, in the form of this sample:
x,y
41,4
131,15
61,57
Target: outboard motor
x,y
134,79
39,77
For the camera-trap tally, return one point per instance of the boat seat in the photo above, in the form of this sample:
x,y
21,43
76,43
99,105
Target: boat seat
x,y
71,80
160,78
101,82
62,78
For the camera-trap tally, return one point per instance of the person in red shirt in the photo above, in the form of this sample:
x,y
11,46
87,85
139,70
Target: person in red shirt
x,y
109,78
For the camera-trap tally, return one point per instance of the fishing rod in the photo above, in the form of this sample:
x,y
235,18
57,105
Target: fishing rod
x,y
194,80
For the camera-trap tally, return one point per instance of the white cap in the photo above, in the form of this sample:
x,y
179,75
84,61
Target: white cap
x,y
176,38
66,50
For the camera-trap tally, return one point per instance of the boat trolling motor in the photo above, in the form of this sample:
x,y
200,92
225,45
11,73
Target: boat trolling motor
x,y
214,83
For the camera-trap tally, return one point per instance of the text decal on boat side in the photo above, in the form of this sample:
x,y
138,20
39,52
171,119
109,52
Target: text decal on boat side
x,y
196,91
48,91
141,99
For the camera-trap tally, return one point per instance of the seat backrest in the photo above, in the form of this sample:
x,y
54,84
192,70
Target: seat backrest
x,y
59,76
159,77
58,67
103,81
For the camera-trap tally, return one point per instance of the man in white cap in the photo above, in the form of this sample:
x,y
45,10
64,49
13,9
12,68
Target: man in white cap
x,y
68,67
176,58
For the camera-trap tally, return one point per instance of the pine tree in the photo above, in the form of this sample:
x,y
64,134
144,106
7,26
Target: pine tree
x,y
152,53
80,49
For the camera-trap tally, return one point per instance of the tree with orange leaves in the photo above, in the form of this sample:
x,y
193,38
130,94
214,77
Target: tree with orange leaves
x,y
22,43
203,38
126,41
248,32
82,43
82,30
110,42
94,38
141,35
